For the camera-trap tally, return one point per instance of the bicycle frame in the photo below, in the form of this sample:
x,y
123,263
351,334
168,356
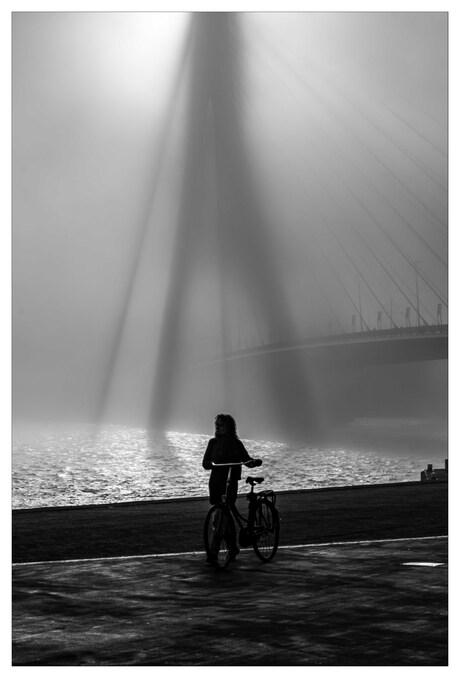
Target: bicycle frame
x,y
259,529
253,498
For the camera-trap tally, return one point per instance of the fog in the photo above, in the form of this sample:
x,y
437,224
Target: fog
x,y
190,185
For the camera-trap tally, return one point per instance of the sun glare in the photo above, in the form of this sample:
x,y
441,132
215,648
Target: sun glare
x,y
134,55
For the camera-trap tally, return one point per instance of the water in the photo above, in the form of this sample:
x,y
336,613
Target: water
x,y
76,465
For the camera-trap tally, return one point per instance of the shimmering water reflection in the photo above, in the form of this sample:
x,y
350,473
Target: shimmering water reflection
x,y
75,465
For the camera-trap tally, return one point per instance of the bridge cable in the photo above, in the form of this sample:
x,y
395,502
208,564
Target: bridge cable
x,y
316,241
361,112
362,239
364,278
388,273
399,249
368,149
369,248
366,178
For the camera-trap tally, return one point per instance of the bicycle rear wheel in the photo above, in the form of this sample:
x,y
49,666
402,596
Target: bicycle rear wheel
x,y
266,530
219,535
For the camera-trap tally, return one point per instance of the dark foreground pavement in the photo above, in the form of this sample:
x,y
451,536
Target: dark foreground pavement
x,y
332,605
346,605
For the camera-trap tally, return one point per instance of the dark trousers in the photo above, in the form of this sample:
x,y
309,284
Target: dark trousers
x,y
217,489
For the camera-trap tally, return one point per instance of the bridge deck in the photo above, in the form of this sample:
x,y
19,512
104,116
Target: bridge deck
x,y
424,343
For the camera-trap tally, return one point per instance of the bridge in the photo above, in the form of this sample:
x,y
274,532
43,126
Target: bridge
x,y
362,241
395,345
318,384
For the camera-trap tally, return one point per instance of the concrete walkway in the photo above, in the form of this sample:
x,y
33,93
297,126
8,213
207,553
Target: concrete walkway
x,y
370,589
315,606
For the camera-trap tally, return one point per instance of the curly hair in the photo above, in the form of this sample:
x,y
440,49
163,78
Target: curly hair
x,y
230,423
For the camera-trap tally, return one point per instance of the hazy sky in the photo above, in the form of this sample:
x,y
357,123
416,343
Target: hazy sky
x,y
344,117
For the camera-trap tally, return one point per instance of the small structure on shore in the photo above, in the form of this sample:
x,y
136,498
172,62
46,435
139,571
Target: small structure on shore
x,y
431,474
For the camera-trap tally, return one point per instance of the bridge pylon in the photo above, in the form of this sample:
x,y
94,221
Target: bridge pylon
x,y
243,249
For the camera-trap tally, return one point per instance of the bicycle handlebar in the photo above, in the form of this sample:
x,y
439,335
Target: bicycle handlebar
x,y
240,463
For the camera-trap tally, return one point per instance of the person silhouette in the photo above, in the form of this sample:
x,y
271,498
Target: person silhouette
x,y
225,448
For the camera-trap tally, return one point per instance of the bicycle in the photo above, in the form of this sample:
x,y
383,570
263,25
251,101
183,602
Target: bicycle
x,y
260,529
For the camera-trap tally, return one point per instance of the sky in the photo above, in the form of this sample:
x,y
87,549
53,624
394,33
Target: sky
x,y
344,122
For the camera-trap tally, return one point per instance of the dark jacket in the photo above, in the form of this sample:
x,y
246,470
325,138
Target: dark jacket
x,y
223,450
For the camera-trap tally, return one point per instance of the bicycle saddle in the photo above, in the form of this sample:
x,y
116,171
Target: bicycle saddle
x,y
254,481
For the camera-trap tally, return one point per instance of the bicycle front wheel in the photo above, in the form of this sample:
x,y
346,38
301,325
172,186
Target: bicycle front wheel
x,y
266,530
219,535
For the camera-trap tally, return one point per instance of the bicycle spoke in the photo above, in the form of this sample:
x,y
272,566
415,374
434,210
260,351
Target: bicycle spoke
x,y
266,531
219,533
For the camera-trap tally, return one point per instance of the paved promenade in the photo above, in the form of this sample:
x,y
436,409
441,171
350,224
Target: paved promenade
x,y
380,599
137,528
